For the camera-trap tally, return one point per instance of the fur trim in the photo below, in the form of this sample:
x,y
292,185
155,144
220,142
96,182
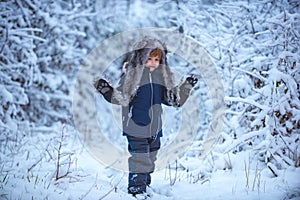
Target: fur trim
x,y
134,66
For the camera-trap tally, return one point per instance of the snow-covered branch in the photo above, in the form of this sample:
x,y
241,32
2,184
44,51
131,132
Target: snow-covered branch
x,y
247,101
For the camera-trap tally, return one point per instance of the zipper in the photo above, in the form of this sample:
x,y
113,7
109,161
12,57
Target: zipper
x,y
151,101
129,116
156,132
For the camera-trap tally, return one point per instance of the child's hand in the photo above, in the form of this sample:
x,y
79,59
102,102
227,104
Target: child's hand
x,y
102,86
192,80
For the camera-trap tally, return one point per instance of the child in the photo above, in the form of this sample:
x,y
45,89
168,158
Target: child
x,y
147,83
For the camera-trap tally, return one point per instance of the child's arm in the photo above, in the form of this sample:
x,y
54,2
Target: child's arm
x,y
185,88
183,91
112,95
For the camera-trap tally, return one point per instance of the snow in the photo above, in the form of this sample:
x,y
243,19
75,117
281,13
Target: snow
x,y
90,179
6,96
255,46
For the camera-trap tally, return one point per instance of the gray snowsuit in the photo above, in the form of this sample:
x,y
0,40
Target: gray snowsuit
x,y
141,94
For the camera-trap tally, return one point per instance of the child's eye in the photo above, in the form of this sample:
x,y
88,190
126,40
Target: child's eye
x,y
156,59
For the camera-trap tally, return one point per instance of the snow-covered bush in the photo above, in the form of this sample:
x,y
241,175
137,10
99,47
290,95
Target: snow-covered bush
x,y
263,80
266,85
39,52
256,46
17,60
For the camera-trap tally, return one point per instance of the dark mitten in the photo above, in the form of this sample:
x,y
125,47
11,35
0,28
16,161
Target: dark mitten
x,y
103,86
192,80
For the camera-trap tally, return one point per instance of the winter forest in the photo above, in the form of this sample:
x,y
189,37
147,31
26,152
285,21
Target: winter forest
x,y
255,46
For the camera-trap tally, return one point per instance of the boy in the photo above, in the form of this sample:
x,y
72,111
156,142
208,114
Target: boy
x,y
147,83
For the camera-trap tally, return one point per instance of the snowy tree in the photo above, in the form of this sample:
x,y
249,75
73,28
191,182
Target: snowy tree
x,y
256,46
265,84
17,62
260,70
40,50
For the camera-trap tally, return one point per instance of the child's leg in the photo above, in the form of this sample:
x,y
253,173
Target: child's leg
x,y
139,164
154,147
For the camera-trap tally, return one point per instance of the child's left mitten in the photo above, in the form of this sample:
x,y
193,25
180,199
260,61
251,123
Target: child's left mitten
x,y
103,86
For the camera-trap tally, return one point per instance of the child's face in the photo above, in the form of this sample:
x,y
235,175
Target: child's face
x,y
152,62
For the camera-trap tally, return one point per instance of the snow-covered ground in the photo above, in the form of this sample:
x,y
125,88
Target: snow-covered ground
x,y
89,179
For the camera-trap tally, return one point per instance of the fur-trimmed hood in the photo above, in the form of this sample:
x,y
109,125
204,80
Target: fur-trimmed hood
x,y
134,67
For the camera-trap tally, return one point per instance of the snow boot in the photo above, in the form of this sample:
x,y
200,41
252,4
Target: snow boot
x,y
136,190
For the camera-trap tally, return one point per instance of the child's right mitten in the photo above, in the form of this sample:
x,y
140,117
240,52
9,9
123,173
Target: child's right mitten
x,y
103,87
